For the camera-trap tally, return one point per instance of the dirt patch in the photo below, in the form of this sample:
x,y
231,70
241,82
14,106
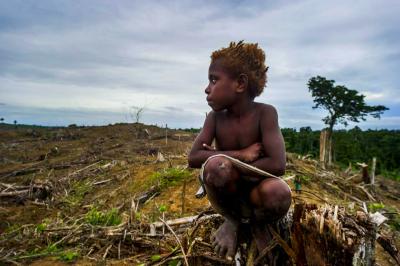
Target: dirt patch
x,y
107,168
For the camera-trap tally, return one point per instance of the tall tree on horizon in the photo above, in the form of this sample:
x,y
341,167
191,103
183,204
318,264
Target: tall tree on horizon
x,y
342,104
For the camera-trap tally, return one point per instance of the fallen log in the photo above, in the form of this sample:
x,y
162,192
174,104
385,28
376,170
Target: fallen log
x,y
308,235
22,193
388,244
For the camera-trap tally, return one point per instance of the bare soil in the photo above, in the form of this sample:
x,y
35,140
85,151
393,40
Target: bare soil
x,y
77,169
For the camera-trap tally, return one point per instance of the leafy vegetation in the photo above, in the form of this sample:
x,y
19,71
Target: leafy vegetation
x,y
162,208
373,207
109,218
41,227
305,179
69,256
352,145
169,177
190,130
395,222
78,192
155,258
342,104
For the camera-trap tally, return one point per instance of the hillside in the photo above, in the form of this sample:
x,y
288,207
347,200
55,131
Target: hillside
x,y
55,182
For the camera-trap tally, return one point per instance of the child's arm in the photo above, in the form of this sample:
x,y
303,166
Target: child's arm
x,y
274,159
201,150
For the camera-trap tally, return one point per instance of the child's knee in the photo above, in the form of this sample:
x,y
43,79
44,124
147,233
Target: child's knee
x,y
219,172
272,194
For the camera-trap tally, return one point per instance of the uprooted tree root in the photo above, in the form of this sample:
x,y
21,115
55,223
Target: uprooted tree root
x,y
17,193
307,236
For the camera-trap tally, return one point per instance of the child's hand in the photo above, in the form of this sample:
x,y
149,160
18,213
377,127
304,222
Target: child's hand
x,y
251,153
208,147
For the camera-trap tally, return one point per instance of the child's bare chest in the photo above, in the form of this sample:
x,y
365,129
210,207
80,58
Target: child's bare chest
x,y
233,134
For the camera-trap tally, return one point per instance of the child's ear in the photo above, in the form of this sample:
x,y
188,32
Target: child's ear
x,y
243,82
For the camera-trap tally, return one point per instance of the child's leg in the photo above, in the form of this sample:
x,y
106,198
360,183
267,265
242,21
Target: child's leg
x,y
271,200
220,179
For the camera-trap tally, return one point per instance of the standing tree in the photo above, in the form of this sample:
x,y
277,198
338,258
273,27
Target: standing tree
x,y
343,105
136,113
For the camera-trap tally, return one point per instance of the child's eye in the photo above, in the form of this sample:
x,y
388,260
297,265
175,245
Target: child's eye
x,y
213,81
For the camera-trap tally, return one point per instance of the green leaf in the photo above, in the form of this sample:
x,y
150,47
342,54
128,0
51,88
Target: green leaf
x,y
155,258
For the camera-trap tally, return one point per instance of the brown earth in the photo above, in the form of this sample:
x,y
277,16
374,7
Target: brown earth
x,y
77,169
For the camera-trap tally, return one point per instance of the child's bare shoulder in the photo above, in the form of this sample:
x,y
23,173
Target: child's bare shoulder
x,y
266,110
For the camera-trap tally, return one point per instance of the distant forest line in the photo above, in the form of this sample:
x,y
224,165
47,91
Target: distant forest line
x,y
354,145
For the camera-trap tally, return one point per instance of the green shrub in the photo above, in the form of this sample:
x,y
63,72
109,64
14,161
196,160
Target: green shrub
x,y
41,227
78,191
304,179
155,258
174,262
51,248
109,218
169,177
162,208
68,256
394,218
395,174
395,222
374,207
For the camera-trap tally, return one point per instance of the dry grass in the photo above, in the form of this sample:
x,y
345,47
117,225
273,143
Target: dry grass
x,y
104,169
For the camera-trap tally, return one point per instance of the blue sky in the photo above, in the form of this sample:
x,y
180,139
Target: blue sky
x,y
94,62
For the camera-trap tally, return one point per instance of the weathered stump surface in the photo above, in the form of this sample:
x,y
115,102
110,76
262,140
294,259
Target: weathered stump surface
x,y
307,236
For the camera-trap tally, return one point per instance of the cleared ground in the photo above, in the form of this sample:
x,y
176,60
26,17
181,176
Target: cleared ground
x,y
77,177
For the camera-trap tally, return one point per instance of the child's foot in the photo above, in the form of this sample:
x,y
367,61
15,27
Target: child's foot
x,y
261,235
225,239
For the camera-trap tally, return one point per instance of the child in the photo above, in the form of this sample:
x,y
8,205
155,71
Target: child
x,y
245,131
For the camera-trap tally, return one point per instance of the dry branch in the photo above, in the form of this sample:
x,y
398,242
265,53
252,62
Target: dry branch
x,y
388,245
178,241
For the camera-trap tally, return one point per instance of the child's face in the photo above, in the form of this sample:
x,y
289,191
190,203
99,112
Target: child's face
x,y
221,89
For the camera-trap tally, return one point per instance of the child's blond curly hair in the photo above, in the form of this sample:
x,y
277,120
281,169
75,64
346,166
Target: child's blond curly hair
x,y
246,58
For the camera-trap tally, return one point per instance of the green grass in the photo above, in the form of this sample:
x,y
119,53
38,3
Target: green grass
x,y
41,227
304,179
51,250
109,218
394,216
169,177
395,174
374,207
155,258
78,191
68,256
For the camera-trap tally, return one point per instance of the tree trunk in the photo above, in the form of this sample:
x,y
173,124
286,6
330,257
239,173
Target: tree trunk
x,y
325,148
373,170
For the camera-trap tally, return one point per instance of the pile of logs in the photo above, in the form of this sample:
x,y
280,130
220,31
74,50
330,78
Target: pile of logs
x,y
308,235
18,193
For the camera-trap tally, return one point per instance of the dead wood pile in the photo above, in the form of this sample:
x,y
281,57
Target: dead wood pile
x,y
307,236
345,185
18,193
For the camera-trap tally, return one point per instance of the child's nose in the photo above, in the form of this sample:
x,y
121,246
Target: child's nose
x,y
207,90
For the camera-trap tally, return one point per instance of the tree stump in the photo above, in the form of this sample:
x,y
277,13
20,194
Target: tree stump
x,y
308,235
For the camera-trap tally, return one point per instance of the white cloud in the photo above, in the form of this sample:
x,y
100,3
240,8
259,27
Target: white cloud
x,y
109,56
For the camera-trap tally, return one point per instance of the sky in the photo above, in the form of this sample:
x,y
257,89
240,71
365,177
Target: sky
x,y
96,62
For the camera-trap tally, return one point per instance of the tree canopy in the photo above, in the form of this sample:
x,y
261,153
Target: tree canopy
x,y
343,104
